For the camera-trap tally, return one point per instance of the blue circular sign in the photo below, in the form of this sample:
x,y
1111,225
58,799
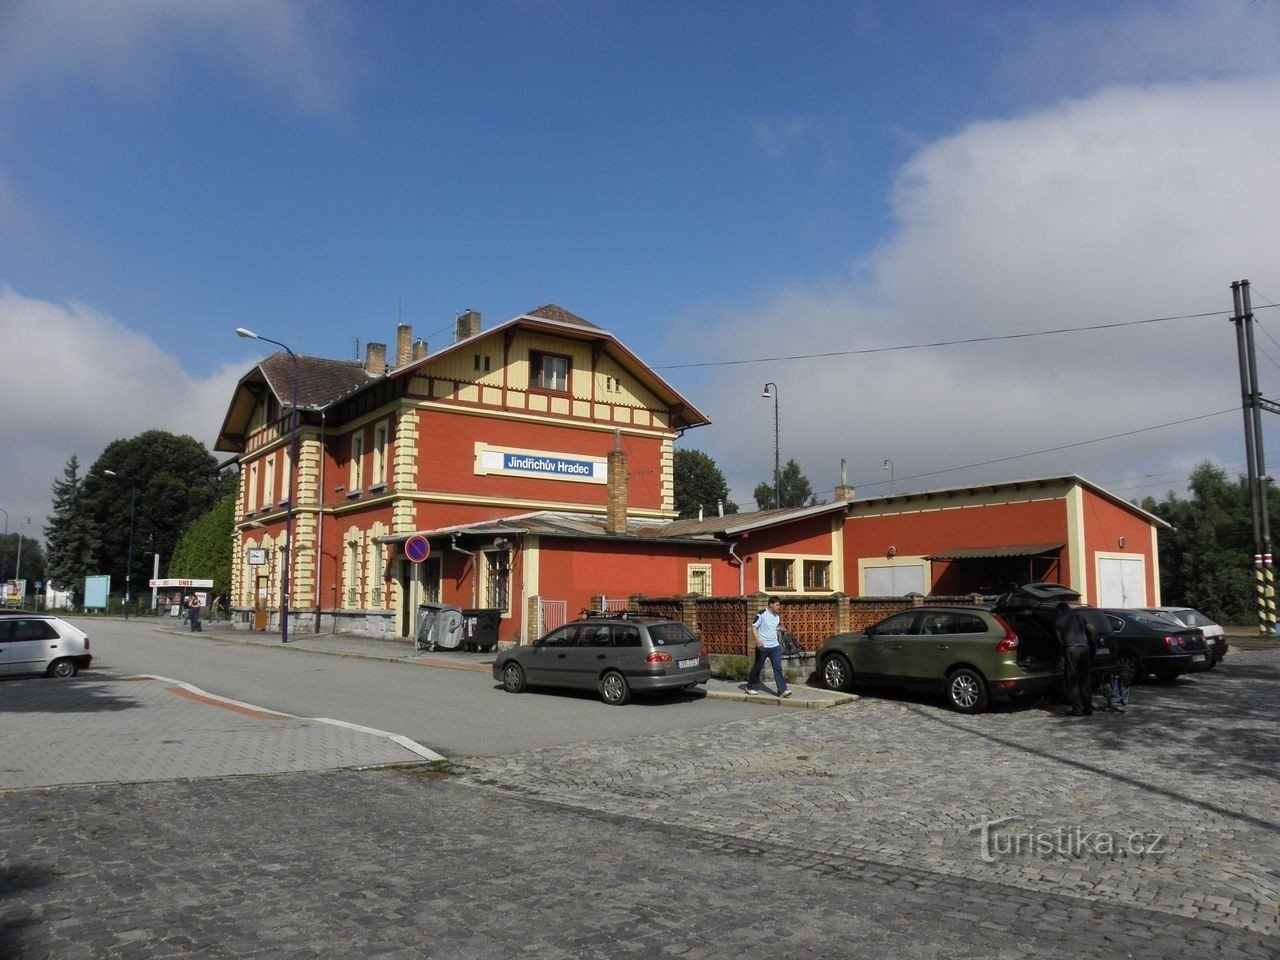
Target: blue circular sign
x,y
417,549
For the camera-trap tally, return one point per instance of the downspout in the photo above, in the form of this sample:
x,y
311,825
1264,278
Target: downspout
x,y
453,545
320,531
742,583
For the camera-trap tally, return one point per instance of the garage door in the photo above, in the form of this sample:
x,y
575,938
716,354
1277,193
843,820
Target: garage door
x,y
1122,582
894,580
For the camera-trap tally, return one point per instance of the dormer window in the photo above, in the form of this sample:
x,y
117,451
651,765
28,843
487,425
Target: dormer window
x,y
549,372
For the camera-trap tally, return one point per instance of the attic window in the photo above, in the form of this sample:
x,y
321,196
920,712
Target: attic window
x,y
549,372
485,360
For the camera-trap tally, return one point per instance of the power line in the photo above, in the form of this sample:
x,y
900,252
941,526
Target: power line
x,y
1065,446
950,343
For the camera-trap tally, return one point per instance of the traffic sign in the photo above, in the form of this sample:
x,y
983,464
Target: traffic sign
x,y
417,549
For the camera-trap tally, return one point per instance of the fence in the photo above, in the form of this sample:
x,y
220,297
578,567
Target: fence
x,y
723,623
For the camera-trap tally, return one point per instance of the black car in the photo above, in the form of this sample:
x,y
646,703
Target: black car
x,y
1153,644
1031,609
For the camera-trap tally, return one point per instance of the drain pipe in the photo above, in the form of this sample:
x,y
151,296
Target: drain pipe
x,y
742,583
453,545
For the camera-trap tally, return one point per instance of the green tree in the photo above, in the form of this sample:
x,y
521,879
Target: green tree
x,y
699,484
204,552
796,489
33,560
70,533
1206,558
176,480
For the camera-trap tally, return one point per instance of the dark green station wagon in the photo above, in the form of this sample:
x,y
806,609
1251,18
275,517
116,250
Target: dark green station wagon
x,y
968,654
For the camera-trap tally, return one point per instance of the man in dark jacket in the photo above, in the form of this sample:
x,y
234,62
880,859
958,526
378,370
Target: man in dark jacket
x,y
1077,657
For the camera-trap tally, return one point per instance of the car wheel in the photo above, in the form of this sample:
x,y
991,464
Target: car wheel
x,y
513,680
62,669
836,673
967,691
1130,669
614,689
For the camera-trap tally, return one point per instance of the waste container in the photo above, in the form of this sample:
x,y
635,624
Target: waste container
x,y
439,627
480,628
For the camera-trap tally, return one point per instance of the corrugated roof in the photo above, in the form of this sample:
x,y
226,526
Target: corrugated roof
x,y
975,553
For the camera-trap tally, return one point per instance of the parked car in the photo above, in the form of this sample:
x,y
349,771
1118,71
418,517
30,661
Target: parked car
x,y
42,643
1154,644
1214,636
967,653
1031,610
613,655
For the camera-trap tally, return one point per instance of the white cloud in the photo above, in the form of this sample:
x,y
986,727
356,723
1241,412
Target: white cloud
x,y
128,45
75,379
1129,204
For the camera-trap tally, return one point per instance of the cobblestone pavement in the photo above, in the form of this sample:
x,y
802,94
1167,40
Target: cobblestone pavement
x,y
395,863
1171,806
838,833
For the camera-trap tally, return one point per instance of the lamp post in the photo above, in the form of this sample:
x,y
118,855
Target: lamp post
x,y
286,573
128,569
777,472
6,537
888,465
17,571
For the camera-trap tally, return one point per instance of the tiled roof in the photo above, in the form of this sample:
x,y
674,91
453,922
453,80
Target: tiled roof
x,y
320,381
553,312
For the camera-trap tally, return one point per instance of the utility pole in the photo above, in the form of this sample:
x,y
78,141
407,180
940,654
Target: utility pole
x,y
1252,404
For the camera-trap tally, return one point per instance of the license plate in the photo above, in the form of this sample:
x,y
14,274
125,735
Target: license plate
x,y
684,664
1197,658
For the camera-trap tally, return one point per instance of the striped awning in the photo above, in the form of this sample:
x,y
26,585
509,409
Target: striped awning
x,y
978,553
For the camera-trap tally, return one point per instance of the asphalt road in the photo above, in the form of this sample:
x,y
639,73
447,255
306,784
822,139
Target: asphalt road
x,y
453,712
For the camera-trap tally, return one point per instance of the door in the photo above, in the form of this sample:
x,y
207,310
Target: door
x,y
1122,582
945,637
260,613
880,655
28,645
548,661
591,652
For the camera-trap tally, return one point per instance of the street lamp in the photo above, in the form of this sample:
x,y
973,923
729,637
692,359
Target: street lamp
x,y
888,465
286,577
17,572
128,569
777,473
6,537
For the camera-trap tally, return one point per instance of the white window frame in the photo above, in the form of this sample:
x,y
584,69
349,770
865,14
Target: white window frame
x,y
355,482
269,482
381,433
695,572
487,586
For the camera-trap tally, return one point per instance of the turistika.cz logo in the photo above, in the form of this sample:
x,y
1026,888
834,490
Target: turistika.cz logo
x,y
1072,842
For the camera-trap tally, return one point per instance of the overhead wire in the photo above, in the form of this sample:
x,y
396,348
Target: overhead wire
x,y
1057,331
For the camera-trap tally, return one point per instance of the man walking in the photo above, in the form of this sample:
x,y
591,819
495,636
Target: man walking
x,y
765,630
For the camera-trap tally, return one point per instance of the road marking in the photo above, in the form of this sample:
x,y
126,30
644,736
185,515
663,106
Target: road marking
x,y
249,709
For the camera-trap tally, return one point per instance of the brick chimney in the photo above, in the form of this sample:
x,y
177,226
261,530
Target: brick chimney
x,y
404,341
419,349
616,486
375,358
844,491
468,325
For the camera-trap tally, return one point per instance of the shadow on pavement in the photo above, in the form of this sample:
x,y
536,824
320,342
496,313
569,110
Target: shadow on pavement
x,y
76,695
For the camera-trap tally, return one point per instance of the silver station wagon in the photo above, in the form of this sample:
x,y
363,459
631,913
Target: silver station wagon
x,y
613,655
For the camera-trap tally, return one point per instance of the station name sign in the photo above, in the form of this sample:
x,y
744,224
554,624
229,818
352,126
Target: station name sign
x,y
539,463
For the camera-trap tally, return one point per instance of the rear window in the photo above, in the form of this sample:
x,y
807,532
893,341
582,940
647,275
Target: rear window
x,y
665,633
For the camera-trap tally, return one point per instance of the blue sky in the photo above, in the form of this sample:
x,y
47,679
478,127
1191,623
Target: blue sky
x,y
709,181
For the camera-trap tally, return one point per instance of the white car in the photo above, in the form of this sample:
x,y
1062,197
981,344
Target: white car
x,y
1213,634
41,643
